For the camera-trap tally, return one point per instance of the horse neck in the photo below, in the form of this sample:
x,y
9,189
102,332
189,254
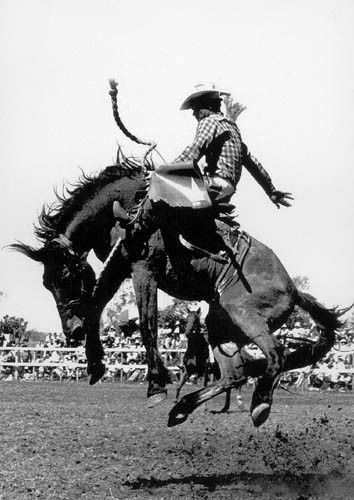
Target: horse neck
x,y
90,226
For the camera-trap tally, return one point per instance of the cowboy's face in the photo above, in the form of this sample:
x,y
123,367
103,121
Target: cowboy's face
x,y
200,112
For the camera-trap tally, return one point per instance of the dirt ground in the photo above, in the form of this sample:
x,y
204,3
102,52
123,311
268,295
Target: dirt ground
x,y
72,441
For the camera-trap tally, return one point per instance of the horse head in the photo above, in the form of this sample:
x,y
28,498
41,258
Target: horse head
x,y
69,278
193,326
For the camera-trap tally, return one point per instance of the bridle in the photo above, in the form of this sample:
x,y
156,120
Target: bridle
x,y
76,269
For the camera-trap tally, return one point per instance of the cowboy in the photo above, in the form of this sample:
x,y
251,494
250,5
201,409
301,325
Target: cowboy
x,y
218,139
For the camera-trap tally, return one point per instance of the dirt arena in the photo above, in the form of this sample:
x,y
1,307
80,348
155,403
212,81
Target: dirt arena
x,y
72,441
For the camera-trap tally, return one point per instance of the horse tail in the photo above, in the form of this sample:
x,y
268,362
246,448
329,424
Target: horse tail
x,y
327,321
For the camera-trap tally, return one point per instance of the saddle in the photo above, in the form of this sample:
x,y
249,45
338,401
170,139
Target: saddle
x,y
181,185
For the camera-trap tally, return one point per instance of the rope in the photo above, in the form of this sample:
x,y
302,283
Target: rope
x,y
105,265
113,93
152,145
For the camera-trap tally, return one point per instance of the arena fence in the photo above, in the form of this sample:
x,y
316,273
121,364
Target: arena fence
x,y
121,361
33,363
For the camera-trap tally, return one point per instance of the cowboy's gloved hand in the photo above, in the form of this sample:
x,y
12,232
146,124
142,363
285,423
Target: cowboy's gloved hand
x,y
281,198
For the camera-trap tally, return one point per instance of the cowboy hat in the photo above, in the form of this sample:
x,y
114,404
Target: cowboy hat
x,y
203,89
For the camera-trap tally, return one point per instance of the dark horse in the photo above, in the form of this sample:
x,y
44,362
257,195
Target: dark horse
x,y
196,357
81,221
242,310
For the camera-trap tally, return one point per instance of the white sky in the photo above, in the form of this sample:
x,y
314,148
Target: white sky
x,y
291,63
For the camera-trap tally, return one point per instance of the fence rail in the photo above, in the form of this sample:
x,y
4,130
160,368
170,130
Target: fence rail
x,y
114,360
173,359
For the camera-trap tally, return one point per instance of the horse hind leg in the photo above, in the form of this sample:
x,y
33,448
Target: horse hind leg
x,y
227,404
262,399
256,329
248,323
239,401
226,407
184,379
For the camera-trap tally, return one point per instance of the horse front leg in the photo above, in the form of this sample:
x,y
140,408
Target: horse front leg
x,y
110,280
145,287
183,380
93,346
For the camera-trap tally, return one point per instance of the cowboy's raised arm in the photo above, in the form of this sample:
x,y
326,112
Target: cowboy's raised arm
x,y
263,178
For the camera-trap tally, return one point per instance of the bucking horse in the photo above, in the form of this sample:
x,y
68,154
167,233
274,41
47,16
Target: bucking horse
x,y
175,248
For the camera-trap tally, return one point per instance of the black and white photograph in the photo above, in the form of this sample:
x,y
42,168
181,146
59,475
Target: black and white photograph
x,y
176,250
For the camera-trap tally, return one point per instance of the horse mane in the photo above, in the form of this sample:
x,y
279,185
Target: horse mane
x,y
54,218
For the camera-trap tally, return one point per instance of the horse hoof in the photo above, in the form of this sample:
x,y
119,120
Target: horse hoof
x,y
224,410
156,399
179,412
176,418
260,414
97,370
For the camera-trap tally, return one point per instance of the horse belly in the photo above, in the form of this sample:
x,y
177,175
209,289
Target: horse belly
x,y
185,284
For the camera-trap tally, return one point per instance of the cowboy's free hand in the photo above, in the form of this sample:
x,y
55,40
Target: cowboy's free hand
x,y
281,198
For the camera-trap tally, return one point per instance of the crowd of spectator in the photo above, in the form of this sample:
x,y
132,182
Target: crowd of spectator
x,y
49,360
125,356
11,329
334,372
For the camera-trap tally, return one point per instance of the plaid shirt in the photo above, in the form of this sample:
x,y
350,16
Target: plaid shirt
x,y
219,140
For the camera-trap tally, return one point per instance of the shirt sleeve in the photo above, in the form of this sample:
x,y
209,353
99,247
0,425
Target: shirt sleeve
x,y
204,135
257,171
